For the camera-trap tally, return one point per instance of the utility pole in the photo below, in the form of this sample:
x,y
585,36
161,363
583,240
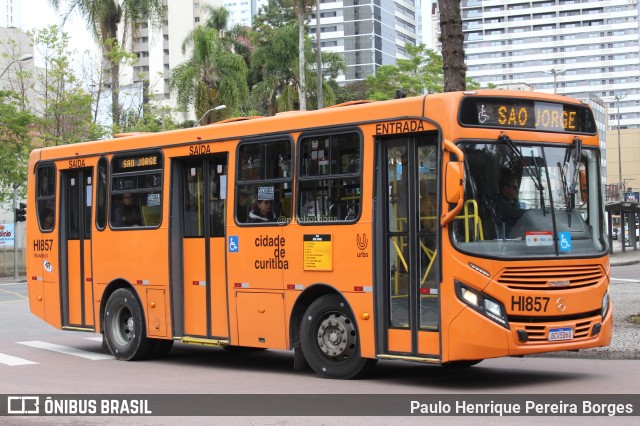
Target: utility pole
x,y
555,74
15,233
620,181
318,56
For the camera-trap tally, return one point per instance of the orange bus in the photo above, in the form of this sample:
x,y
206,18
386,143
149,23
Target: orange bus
x,y
445,229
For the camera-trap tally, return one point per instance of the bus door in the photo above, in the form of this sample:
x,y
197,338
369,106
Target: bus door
x,y
199,189
75,247
407,222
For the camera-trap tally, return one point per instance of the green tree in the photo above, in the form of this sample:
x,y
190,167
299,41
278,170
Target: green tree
x,y
332,64
149,118
420,74
15,144
275,64
62,107
213,76
302,9
19,76
103,18
452,40
351,92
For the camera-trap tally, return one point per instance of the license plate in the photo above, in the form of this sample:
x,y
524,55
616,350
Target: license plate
x,y
560,334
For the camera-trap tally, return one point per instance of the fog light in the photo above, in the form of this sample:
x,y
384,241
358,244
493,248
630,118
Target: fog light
x,y
492,307
523,336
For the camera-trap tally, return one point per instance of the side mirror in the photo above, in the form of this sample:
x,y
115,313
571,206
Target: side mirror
x,y
453,182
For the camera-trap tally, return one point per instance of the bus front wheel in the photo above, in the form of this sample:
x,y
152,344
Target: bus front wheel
x,y
124,327
330,341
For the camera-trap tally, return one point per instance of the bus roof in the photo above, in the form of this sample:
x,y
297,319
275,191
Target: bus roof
x,y
350,113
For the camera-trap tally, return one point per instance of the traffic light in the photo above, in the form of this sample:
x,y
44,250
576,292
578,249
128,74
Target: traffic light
x,y
21,213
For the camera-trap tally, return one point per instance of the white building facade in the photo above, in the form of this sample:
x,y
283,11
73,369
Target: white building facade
x,y
572,47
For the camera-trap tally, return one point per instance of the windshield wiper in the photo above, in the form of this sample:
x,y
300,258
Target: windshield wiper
x,y
576,163
534,172
569,188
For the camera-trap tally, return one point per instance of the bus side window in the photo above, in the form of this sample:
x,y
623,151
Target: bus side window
x,y
329,188
263,192
46,197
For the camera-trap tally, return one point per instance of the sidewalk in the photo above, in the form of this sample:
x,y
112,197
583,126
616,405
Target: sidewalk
x,y
617,257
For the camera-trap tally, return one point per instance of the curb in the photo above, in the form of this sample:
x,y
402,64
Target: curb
x,y
622,262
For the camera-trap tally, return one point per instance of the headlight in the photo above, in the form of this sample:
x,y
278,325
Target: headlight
x,y
605,304
469,296
482,303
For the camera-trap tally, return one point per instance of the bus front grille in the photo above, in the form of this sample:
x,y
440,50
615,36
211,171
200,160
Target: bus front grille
x,y
550,278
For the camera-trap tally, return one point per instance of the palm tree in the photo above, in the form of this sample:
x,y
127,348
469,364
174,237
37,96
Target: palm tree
x,y
302,9
275,64
452,39
214,75
275,61
103,18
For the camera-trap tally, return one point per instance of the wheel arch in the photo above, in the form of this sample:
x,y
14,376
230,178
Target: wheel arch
x,y
114,285
308,296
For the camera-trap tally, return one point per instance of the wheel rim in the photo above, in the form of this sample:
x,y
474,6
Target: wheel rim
x,y
336,336
124,328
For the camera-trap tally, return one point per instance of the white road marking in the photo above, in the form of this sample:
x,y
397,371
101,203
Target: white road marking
x,y
14,360
66,350
625,280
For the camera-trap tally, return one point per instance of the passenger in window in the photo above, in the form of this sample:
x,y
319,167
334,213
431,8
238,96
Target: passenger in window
x,y
261,212
242,212
128,213
48,219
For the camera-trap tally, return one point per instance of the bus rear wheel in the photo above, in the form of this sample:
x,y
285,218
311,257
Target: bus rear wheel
x,y
330,340
124,327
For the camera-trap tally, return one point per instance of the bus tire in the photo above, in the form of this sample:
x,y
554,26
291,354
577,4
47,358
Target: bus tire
x,y
330,341
124,327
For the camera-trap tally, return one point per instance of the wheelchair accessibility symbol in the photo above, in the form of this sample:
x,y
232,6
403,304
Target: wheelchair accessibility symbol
x,y
233,244
564,241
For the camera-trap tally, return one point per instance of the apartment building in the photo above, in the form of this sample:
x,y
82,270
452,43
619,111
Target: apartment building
x,y
587,49
9,13
369,33
572,47
242,12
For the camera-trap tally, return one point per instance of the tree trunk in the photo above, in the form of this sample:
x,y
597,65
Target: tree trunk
x,y
301,59
452,39
114,64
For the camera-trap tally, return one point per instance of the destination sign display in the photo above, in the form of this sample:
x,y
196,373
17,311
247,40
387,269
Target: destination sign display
x,y
526,114
137,162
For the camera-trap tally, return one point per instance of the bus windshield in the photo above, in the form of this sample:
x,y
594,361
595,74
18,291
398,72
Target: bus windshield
x,y
530,200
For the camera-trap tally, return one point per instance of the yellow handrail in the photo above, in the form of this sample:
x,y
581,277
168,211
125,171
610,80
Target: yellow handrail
x,y
470,210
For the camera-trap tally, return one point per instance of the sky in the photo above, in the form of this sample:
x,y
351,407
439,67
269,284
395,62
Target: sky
x,y
38,14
